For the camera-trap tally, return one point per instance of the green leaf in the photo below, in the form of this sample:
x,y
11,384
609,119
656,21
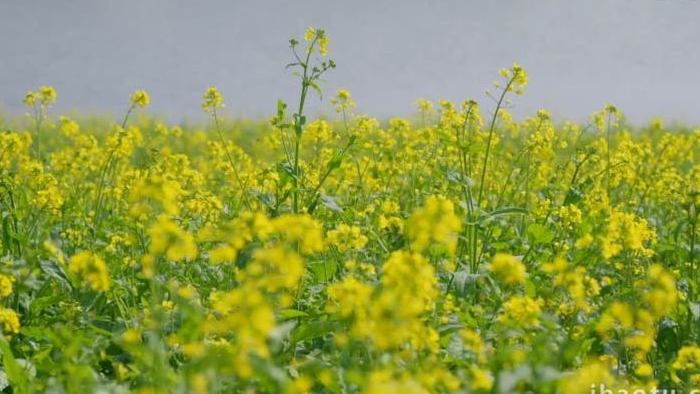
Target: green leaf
x,y
449,328
56,272
500,246
323,271
530,289
462,280
330,203
292,314
15,373
4,383
39,304
286,171
573,196
6,229
694,308
539,234
505,211
508,379
316,88
313,329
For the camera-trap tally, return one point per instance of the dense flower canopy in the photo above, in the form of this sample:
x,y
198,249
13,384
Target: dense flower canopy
x,y
460,251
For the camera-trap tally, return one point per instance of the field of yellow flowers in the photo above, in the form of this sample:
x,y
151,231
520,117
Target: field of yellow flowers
x,y
457,252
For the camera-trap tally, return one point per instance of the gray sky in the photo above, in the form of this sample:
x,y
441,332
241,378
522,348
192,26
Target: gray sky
x,y
641,55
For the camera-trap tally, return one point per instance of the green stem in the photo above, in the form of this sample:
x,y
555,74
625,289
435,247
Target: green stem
x,y
230,158
474,236
492,127
38,120
691,253
299,126
607,169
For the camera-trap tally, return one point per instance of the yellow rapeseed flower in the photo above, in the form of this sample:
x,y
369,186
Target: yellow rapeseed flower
x,y
47,95
6,282
212,100
140,99
168,239
349,297
435,223
508,269
30,99
92,269
345,237
521,311
9,321
309,34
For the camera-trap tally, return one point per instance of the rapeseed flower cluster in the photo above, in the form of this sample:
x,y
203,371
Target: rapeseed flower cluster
x,y
6,283
686,366
140,99
434,224
624,231
346,238
508,269
9,321
91,269
45,96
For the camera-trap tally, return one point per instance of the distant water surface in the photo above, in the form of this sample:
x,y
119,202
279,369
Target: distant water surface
x,y
642,55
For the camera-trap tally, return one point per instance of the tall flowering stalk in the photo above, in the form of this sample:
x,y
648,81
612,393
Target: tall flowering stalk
x,y
212,101
310,73
39,102
139,99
